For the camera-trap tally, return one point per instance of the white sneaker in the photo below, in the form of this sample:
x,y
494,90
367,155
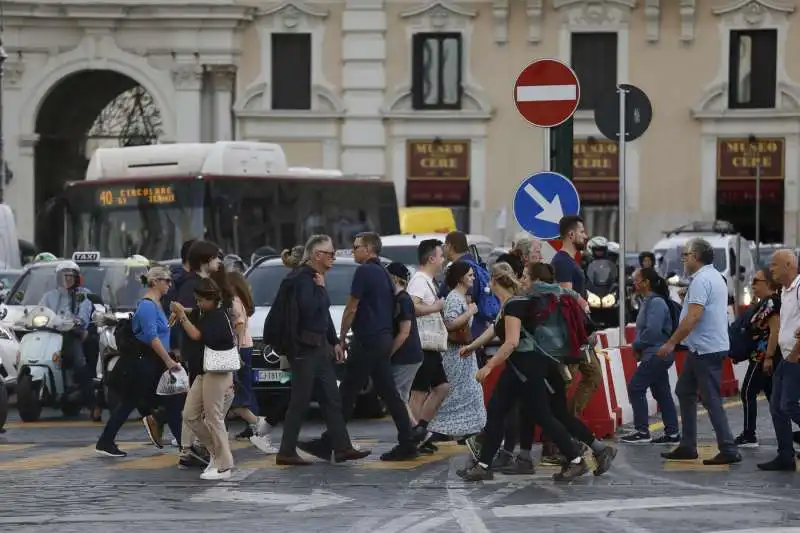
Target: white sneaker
x,y
264,444
262,427
215,475
210,466
174,442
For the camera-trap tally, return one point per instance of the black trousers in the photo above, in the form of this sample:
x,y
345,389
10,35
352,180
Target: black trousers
x,y
537,383
519,429
755,381
371,358
312,369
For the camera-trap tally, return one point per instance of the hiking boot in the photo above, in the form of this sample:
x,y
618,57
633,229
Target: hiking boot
x,y
571,471
477,473
604,459
519,467
503,459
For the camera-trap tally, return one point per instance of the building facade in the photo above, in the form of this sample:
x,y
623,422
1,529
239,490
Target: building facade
x,y
421,93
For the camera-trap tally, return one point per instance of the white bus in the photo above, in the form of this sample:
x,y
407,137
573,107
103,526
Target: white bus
x,y
148,200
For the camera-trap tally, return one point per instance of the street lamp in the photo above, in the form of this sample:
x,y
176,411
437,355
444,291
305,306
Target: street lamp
x,y
3,57
753,152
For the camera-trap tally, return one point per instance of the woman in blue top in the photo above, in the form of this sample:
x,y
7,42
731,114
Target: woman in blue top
x,y
152,330
653,328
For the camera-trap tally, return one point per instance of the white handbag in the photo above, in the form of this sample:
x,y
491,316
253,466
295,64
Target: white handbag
x,y
432,331
222,360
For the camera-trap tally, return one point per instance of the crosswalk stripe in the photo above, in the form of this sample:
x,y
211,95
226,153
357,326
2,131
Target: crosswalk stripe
x,y
59,458
50,424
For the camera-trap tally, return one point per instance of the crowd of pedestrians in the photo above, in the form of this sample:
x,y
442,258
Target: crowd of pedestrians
x,y
430,341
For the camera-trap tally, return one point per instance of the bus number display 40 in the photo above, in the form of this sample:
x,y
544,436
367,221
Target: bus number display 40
x,y
123,196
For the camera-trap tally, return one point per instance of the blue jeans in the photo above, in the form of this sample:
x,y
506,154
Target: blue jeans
x,y
703,373
653,373
785,406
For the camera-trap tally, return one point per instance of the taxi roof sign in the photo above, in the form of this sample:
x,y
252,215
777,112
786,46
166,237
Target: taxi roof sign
x,y
86,257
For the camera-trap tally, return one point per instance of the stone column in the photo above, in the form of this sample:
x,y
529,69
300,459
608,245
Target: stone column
x,y
188,81
21,195
222,78
364,85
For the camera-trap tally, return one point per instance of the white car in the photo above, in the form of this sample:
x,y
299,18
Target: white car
x,y
403,248
271,372
9,347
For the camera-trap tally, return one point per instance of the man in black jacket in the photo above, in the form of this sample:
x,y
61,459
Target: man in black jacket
x,y
312,334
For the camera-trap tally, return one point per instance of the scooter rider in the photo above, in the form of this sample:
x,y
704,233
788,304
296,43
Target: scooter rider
x,y
70,298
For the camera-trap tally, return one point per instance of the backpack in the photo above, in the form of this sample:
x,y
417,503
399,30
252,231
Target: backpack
x,y
559,326
488,304
674,309
741,337
280,326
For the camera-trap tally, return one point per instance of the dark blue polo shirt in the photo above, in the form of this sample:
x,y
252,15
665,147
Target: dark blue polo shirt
x,y
374,290
411,351
568,271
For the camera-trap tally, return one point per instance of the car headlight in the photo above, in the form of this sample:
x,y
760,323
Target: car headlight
x,y
609,300
40,321
593,299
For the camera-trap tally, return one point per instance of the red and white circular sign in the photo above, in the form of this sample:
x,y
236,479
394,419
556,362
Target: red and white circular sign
x,y
547,93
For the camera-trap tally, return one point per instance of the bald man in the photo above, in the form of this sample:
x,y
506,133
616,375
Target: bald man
x,y
785,401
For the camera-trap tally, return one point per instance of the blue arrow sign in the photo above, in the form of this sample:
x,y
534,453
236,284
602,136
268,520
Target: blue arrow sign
x,y
540,202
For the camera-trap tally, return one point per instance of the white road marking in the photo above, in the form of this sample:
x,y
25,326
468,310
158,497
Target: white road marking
x,y
607,506
293,502
545,93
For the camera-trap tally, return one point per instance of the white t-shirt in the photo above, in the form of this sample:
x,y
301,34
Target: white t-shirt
x,y
790,317
422,286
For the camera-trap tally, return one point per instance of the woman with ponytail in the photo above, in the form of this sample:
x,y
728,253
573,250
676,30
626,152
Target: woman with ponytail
x,y
654,326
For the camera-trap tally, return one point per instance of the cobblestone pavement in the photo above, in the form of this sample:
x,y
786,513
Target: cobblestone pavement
x,y
53,481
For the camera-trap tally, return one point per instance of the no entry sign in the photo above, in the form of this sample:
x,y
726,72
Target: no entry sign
x,y
547,93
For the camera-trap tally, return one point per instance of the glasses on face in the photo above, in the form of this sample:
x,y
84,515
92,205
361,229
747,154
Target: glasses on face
x,y
357,246
685,255
327,253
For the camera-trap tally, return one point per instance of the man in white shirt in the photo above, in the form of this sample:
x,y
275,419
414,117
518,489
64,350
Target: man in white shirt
x,y
430,385
785,401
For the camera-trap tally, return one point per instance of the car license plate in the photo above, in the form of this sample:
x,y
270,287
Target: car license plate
x,y
278,376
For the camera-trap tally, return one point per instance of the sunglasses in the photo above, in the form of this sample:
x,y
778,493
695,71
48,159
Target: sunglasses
x,y
325,252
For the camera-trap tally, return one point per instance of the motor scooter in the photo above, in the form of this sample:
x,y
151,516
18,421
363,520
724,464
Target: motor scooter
x,y
42,380
601,292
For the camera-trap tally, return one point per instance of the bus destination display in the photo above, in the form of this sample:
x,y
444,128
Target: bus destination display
x,y
135,196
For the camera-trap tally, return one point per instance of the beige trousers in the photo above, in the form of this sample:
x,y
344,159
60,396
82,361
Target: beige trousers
x,y
204,413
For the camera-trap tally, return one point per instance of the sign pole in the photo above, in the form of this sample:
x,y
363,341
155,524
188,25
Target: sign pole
x,y
546,149
623,285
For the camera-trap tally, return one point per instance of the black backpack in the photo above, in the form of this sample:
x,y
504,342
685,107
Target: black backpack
x,y
280,326
674,312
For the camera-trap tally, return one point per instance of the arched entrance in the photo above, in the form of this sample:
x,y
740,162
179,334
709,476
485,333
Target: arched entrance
x,y
85,110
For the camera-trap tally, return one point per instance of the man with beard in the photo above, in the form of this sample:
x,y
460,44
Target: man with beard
x,y
568,274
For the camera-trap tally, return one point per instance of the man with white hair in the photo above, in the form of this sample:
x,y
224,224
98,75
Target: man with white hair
x,y
300,323
785,401
703,329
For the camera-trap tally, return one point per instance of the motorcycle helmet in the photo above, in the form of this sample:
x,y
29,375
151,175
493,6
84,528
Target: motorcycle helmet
x,y
66,268
234,263
597,247
44,257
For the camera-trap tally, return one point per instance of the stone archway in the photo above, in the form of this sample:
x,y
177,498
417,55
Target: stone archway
x,y
85,109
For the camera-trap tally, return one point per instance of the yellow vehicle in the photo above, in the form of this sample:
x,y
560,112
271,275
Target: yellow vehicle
x,y
426,220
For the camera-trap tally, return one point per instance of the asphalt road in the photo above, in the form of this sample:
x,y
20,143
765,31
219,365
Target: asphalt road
x,y
53,481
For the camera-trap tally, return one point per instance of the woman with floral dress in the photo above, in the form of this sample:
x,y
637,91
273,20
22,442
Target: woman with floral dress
x,y
462,413
766,356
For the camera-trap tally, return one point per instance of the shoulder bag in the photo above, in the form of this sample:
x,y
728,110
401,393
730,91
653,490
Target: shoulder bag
x,y
432,331
222,360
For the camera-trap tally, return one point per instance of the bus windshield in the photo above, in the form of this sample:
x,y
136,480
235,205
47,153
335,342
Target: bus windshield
x,y
153,218
120,219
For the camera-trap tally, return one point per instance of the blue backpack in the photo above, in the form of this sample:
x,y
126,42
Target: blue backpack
x,y
741,336
488,304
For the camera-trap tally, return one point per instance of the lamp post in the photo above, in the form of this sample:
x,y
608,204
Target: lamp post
x,y
3,166
754,152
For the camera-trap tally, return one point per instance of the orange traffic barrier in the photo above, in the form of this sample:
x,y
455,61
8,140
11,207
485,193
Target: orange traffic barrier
x,y
490,382
729,385
630,334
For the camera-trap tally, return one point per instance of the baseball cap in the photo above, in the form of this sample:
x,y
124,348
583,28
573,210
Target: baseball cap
x,y
399,270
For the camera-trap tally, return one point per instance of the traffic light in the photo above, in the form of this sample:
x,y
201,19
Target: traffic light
x,y
561,149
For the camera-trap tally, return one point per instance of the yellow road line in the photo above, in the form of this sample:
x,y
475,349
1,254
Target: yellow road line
x,y
60,458
15,447
167,458
50,424
656,426
704,451
446,449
